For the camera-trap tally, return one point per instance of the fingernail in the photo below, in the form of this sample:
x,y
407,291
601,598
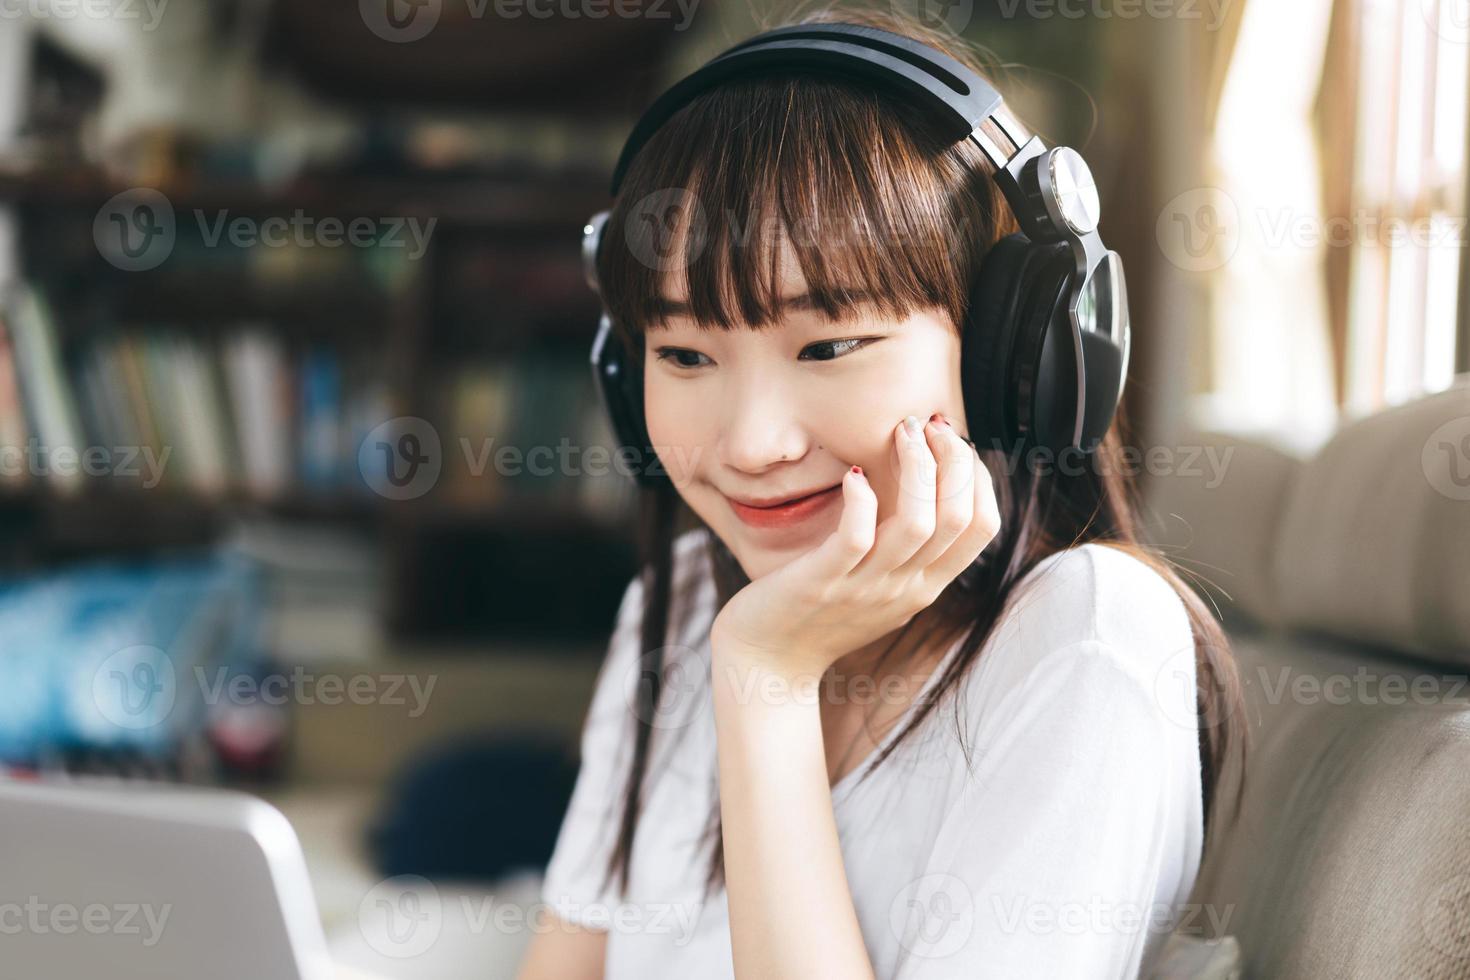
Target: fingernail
x,y
858,470
912,424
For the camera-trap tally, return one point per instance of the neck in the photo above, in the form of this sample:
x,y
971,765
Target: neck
x,y
891,653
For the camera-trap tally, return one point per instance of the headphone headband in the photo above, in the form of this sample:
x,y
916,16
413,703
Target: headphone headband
x,y
959,99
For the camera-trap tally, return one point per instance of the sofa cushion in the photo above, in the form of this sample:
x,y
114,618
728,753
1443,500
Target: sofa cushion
x,y
1216,515
1352,853
1375,539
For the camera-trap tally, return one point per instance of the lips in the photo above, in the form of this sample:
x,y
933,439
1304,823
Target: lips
x,y
789,513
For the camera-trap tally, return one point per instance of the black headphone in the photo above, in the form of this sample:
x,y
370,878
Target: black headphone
x,y
1024,385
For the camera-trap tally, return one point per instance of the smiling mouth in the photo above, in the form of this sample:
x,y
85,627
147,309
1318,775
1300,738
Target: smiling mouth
x,y
789,513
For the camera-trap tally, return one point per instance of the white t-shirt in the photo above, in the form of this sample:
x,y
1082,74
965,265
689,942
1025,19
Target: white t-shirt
x,y
1064,848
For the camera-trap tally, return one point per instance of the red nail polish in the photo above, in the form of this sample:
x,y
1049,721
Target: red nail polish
x,y
858,470
934,417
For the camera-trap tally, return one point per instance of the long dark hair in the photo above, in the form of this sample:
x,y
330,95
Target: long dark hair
x,y
821,157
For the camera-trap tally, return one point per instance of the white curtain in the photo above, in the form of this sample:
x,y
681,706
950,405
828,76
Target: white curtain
x,y
1269,341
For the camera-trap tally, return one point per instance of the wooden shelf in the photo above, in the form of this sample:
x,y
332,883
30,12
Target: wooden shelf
x,y
516,201
139,505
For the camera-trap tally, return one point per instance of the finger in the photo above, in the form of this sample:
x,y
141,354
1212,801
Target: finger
x,y
853,539
904,532
984,526
955,507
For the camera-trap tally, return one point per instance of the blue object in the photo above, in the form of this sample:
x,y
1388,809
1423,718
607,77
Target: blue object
x,y
117,656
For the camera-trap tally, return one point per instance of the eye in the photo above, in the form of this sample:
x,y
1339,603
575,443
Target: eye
x,y
833,349
674,353
825,350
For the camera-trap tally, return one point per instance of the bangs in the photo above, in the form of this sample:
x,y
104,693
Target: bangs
x,y
838,181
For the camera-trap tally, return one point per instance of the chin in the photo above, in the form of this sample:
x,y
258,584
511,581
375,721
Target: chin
x,y
758,559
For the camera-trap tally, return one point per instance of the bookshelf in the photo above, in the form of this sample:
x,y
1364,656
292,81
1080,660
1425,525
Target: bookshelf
x,y
484,334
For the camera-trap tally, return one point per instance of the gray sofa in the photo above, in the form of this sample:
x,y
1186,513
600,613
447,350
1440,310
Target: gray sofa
x,y
1344,583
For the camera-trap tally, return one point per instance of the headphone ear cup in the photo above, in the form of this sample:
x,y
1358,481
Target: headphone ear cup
x,y
1003,335
621,383
986,341
1046,369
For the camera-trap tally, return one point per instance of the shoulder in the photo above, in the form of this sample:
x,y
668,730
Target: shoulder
x,y
1099,593
1094,602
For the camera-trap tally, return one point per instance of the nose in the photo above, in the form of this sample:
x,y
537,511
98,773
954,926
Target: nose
x,y
762,428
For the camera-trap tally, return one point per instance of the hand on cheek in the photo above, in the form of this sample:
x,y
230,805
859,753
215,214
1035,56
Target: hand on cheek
x,y
873,574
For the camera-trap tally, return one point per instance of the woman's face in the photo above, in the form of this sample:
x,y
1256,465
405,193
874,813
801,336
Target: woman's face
x,y
769,414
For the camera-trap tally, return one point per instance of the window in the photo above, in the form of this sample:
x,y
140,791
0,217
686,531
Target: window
x,y
1408,199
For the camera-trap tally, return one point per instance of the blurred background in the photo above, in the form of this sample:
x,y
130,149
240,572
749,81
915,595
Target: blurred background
x,y
300,484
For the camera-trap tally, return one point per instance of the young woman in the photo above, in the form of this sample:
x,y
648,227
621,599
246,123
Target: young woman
x,y
943,717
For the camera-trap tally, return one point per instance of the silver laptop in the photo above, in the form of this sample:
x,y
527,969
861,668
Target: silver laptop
x,y
130,882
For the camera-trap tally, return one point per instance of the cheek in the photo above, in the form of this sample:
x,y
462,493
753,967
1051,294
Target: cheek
x,y
919,379
676,427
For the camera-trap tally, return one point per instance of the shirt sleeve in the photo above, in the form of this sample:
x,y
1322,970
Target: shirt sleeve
x,y
573,883
1048,862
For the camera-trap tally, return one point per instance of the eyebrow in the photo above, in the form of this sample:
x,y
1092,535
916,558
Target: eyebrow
x,y
800,301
